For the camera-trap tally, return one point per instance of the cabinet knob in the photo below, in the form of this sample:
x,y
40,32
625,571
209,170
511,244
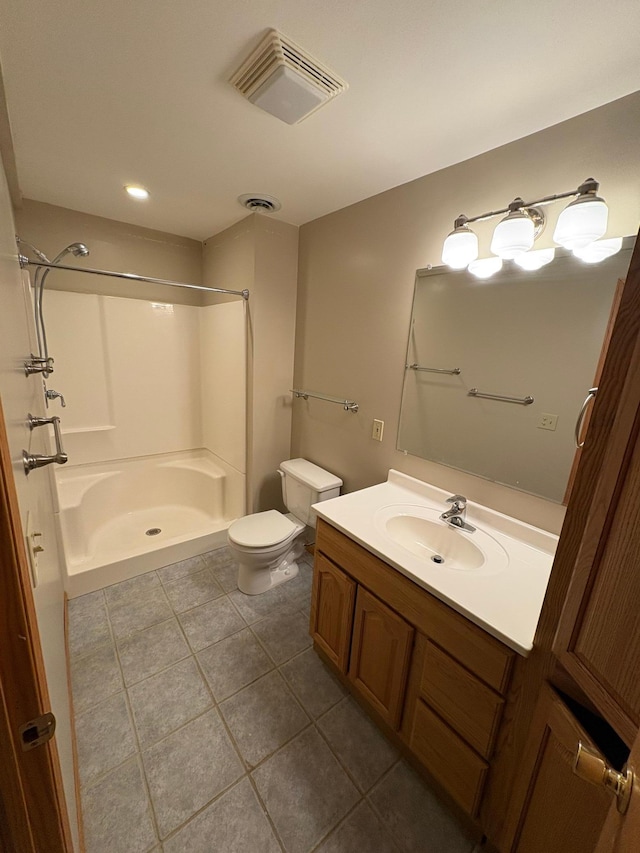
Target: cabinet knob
x,y
588,765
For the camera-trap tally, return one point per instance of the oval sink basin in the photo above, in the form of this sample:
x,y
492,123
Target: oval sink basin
x,y
420,531
435,541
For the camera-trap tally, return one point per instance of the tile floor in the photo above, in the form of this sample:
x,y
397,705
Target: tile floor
x,y
206,723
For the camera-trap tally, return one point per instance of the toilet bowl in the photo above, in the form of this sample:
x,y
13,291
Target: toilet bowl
x,y
267,545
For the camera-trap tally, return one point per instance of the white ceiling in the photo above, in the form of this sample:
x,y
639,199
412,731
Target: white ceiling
x,y
107,92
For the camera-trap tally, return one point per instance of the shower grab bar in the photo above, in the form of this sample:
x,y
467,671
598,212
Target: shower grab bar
x,y
455,372
349,405
24,261
38,460
523,401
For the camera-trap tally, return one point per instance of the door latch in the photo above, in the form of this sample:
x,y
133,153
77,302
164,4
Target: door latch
x,y
588,765
38,731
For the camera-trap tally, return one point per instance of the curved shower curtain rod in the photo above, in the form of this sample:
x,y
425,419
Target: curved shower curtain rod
x,y
24,261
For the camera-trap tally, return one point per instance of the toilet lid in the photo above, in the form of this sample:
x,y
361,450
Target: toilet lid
x,y
261,529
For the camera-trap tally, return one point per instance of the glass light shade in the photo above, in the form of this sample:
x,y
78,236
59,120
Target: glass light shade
x,y
485,267
536,259
581,222
460,248
513,236
599,250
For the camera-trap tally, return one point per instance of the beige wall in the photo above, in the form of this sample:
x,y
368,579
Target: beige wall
x,y
21,395
261,254
113,246
356,274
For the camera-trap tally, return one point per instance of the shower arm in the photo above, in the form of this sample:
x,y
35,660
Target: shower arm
x,y
24,261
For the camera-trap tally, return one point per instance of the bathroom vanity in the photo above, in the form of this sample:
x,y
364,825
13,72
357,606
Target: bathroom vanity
x,y
429,626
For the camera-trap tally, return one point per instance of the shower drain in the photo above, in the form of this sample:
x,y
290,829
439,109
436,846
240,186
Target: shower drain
x,y
153,531
437,558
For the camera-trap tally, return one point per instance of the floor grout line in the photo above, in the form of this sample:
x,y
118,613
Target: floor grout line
x,y
145,781
283,608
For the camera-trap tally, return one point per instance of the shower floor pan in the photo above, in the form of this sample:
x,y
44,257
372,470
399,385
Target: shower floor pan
x,y
119,520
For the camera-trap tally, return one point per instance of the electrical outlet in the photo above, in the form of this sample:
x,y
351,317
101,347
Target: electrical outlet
x,y
378,429
547,421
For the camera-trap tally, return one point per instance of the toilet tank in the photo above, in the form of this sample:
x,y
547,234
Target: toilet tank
x,y
304,484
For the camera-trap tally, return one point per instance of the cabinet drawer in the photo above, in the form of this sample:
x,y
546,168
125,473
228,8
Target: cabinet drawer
x,y
448,759
468,705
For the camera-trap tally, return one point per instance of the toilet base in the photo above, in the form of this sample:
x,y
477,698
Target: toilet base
x,y
253,581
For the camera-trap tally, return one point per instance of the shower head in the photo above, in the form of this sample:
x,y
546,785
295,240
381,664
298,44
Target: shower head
x,y
77,249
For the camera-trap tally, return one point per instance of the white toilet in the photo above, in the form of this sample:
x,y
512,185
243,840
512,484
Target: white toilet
x,y
268,544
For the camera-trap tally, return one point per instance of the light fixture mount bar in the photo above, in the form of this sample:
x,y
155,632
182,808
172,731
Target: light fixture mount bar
x,y
589,186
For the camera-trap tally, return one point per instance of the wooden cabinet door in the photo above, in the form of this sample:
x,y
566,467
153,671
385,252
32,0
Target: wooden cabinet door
x,y
562,812
332,603
380,653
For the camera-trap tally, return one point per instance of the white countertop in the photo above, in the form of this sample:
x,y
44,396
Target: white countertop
x,y
504,596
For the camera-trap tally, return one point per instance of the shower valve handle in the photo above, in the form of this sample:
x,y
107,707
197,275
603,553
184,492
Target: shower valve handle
x,y
50,394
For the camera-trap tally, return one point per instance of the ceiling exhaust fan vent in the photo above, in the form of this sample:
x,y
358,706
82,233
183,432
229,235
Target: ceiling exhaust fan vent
x,y
283,79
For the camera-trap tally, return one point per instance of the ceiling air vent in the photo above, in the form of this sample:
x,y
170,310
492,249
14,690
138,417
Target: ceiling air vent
x,y
259,203
283,79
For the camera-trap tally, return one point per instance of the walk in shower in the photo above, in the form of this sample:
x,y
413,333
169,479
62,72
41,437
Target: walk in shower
x,y
153,422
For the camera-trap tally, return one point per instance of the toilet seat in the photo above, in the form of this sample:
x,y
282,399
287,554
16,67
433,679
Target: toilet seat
x,y
263,530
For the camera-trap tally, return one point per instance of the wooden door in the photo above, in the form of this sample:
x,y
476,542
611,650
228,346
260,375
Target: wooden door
x,y
615,305
31,793
380,654
588,615
598,636
621,833
562,812
332,603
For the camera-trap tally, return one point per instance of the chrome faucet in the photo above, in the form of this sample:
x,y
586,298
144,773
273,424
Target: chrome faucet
x,y
456,515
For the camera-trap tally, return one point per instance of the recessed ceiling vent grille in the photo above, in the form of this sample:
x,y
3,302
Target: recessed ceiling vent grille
x,y
283,79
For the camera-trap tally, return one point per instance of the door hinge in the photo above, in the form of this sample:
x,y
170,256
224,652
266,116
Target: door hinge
x,y
38,731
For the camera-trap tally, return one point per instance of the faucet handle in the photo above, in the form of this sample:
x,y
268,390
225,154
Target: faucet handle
x,y
50,394
456,499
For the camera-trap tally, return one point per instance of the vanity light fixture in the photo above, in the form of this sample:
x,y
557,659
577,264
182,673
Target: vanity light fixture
x,y
136,192
536,259
582,222
461,245
515,233
599,250
485,267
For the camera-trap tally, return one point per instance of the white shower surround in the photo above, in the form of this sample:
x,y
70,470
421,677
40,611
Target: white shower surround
x,y
154,427
105,510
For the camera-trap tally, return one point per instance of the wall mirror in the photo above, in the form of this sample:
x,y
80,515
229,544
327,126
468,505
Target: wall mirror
x,y
519,334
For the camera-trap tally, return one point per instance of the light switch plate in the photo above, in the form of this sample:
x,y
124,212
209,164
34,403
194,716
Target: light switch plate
x,y
378,430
